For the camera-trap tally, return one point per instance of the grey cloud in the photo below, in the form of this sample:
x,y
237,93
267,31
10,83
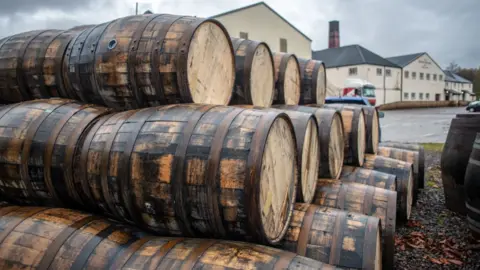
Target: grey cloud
x,y
12,7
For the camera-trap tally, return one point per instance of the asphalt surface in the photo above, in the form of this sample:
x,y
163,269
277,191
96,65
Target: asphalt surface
x,y
418,125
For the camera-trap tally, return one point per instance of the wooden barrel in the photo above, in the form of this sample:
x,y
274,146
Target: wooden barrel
x,y
30,64
38,143
472,189
254,73
193,170
150,60
56,238
287,79
354,129
407,156
405,181
314,81
365,200
354,240
331,138
455,156
421,157
368,177
372,129
82,27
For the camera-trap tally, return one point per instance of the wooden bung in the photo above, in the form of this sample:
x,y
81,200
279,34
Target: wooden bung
x,y
368,177
38,144
363,199
150,60
354,240
405,182
193,170
56,238
314,81
331,138
287,79
255,75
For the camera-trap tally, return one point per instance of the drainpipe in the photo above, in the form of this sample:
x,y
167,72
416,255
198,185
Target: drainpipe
x,y
384,86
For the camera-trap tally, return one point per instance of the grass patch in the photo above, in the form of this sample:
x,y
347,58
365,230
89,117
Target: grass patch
x,y
434,147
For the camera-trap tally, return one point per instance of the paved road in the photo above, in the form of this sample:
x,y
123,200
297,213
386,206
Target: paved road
x,y
418,125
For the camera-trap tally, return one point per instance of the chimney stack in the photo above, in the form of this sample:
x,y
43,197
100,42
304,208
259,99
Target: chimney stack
x,y
334,35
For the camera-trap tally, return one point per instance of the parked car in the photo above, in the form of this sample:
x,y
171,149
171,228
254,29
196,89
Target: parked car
x,y
351,100
473,106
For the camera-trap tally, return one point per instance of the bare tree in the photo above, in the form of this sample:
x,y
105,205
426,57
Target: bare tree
x,y
453,66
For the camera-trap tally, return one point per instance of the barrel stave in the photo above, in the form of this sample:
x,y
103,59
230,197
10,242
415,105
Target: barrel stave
x,y
472,189
369,177
313,76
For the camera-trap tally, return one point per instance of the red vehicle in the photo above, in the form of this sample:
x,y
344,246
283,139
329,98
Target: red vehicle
x,y
359,87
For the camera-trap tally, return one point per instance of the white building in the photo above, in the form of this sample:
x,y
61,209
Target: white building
x,y
260,22
354,61
457,87
423,78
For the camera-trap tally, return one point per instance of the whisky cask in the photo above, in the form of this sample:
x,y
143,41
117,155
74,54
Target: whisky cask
x,y
363,199
38,142
56,238
287,79
372,129
30,65
314,81
405,181
254,73
330,128
407,156
149,60
421,157
355,133
354,240
193,170
368,177
472,189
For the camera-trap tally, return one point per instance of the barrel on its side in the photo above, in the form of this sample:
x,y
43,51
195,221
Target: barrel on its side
x,y
38,143
368,177
56,238
365,200
372,129
149,60
193,170
330,127
404,172
354,239
287,79
455,156
472,189
314,81
255,76
421,157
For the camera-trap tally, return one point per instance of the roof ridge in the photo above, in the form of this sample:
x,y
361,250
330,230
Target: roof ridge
x,y
360,52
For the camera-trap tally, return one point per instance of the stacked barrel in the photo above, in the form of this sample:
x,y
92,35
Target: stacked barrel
x,y
197,148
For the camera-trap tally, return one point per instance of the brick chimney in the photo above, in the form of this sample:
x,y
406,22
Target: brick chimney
x,y
334,35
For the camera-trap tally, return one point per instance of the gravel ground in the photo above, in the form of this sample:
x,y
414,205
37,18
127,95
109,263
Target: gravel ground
x,y
435,238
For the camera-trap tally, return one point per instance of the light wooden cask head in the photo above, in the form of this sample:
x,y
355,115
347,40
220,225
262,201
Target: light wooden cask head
x,y
336,146
262,80
321,92
211,64
292,82
310,161
361,138
375,131
378,252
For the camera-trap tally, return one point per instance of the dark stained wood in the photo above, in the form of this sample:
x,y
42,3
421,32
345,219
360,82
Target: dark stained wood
x,y
287,79
148,60
193,170
369,177
354,240
363,199
56,238
255,73
472,189
314,81
405,182
331,140
38,142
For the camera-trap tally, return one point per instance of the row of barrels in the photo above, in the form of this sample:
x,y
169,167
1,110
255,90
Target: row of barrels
x,y
210,171
150,60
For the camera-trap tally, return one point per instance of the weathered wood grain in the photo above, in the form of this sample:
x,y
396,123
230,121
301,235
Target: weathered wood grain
x,y
369,177
472,189
314,81
287,79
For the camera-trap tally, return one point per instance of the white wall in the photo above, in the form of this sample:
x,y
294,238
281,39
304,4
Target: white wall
x,y
262,24
424,64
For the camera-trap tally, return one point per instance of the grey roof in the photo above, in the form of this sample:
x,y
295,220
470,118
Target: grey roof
x,y
267,6
350,55
450,76
403,60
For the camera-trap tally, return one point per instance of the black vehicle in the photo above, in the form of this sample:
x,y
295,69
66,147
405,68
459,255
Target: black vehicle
x,y
473,106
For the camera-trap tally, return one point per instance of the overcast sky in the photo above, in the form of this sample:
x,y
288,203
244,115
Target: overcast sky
x,y
449,30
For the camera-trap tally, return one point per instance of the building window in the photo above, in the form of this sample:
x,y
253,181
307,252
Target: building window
x,y
414,75
440,77
283,45
413,96
352,71
388,72
244,35
406,74
421,76
427,96
379,71
405,95
434,77
428,76
420,96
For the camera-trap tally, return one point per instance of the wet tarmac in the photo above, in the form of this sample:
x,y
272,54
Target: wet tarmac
x,y
418,125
